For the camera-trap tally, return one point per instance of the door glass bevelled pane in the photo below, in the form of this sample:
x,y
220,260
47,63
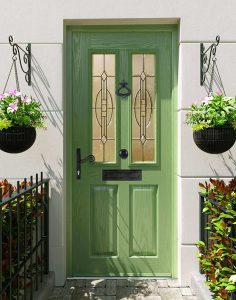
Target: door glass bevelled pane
x,y
143,107
103,107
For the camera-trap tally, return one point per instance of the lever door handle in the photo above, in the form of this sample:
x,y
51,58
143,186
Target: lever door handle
x,y
90,158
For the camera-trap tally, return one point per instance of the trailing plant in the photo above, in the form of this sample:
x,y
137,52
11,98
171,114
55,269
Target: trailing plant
x,y
214,111
218,256
20,110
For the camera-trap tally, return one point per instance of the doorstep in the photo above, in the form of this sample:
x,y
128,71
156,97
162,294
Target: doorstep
x,y
122,288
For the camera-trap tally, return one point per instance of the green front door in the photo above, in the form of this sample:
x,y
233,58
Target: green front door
x,y
122,203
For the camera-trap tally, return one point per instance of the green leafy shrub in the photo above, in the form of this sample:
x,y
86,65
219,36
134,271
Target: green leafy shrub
x,y
214,111
218,258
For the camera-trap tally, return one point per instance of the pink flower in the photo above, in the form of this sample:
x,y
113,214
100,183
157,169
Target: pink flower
x,y
2,96
12,107
25,99
14,92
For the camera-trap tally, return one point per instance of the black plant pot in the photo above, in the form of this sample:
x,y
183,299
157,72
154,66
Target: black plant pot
x,y
215,140
17,139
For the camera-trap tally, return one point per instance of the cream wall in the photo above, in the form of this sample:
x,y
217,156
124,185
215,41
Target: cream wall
x,y
42,24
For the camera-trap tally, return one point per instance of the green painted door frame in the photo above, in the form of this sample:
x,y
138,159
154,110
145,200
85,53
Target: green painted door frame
x,y
69,151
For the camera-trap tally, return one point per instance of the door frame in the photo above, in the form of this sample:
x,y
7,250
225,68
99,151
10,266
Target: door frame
x,y
69,152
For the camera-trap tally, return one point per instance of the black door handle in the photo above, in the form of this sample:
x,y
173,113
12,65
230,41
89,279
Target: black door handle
x,y
90,158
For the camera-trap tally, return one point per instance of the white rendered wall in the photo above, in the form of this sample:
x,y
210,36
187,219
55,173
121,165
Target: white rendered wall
x,y
41,23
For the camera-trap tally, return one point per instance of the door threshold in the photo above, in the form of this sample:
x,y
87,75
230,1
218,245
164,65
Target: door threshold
x,y
121,277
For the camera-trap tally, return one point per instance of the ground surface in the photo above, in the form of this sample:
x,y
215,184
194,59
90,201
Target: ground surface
x,y
125,289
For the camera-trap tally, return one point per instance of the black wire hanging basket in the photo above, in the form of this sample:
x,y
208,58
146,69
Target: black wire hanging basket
x,y
215,140
17,139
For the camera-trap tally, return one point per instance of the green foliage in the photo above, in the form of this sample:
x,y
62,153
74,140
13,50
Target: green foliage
x,y
19,110
214,111
218,260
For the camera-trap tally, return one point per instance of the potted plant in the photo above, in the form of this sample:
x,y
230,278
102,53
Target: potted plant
x,y
19,116
213,123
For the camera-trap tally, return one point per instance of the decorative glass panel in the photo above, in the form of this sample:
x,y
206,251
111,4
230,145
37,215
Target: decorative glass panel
x,y
103,99
143,107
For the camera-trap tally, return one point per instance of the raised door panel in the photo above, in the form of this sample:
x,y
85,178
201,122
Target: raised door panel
x,y
143,220
103,221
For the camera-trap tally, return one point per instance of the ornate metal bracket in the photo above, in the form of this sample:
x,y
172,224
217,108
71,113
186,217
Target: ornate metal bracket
x,y
205,59
123,91
24,56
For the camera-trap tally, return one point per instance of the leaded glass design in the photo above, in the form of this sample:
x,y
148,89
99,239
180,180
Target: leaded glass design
x,y
143,107
103,107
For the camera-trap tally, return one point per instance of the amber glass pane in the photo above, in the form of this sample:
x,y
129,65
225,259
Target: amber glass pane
x,y
103,107
143,108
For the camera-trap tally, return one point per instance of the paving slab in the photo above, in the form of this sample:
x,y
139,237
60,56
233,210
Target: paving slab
x,y
110,291
186,292
99,291
75,283
170,294
68,291
161,283
84,292
132,282
153,288
149,297
104,298
126,292
95,282
111,283
57,292
173,283
81,297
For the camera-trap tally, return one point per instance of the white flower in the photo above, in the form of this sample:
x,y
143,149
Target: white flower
x,y
207,99
233,278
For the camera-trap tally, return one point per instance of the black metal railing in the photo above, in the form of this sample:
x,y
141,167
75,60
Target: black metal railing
x,y
24,237
205,222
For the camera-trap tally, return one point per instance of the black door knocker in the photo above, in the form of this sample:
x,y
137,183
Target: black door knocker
x,y
123,91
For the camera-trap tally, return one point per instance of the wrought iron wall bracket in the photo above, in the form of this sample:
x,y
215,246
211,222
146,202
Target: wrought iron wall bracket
x,y
205,58
24,57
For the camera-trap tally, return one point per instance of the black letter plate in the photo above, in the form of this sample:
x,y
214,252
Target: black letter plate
x,y
125,175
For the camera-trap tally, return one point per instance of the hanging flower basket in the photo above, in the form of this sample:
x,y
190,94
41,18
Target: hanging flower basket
x,y
215,140
214,123
19,116
17,139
